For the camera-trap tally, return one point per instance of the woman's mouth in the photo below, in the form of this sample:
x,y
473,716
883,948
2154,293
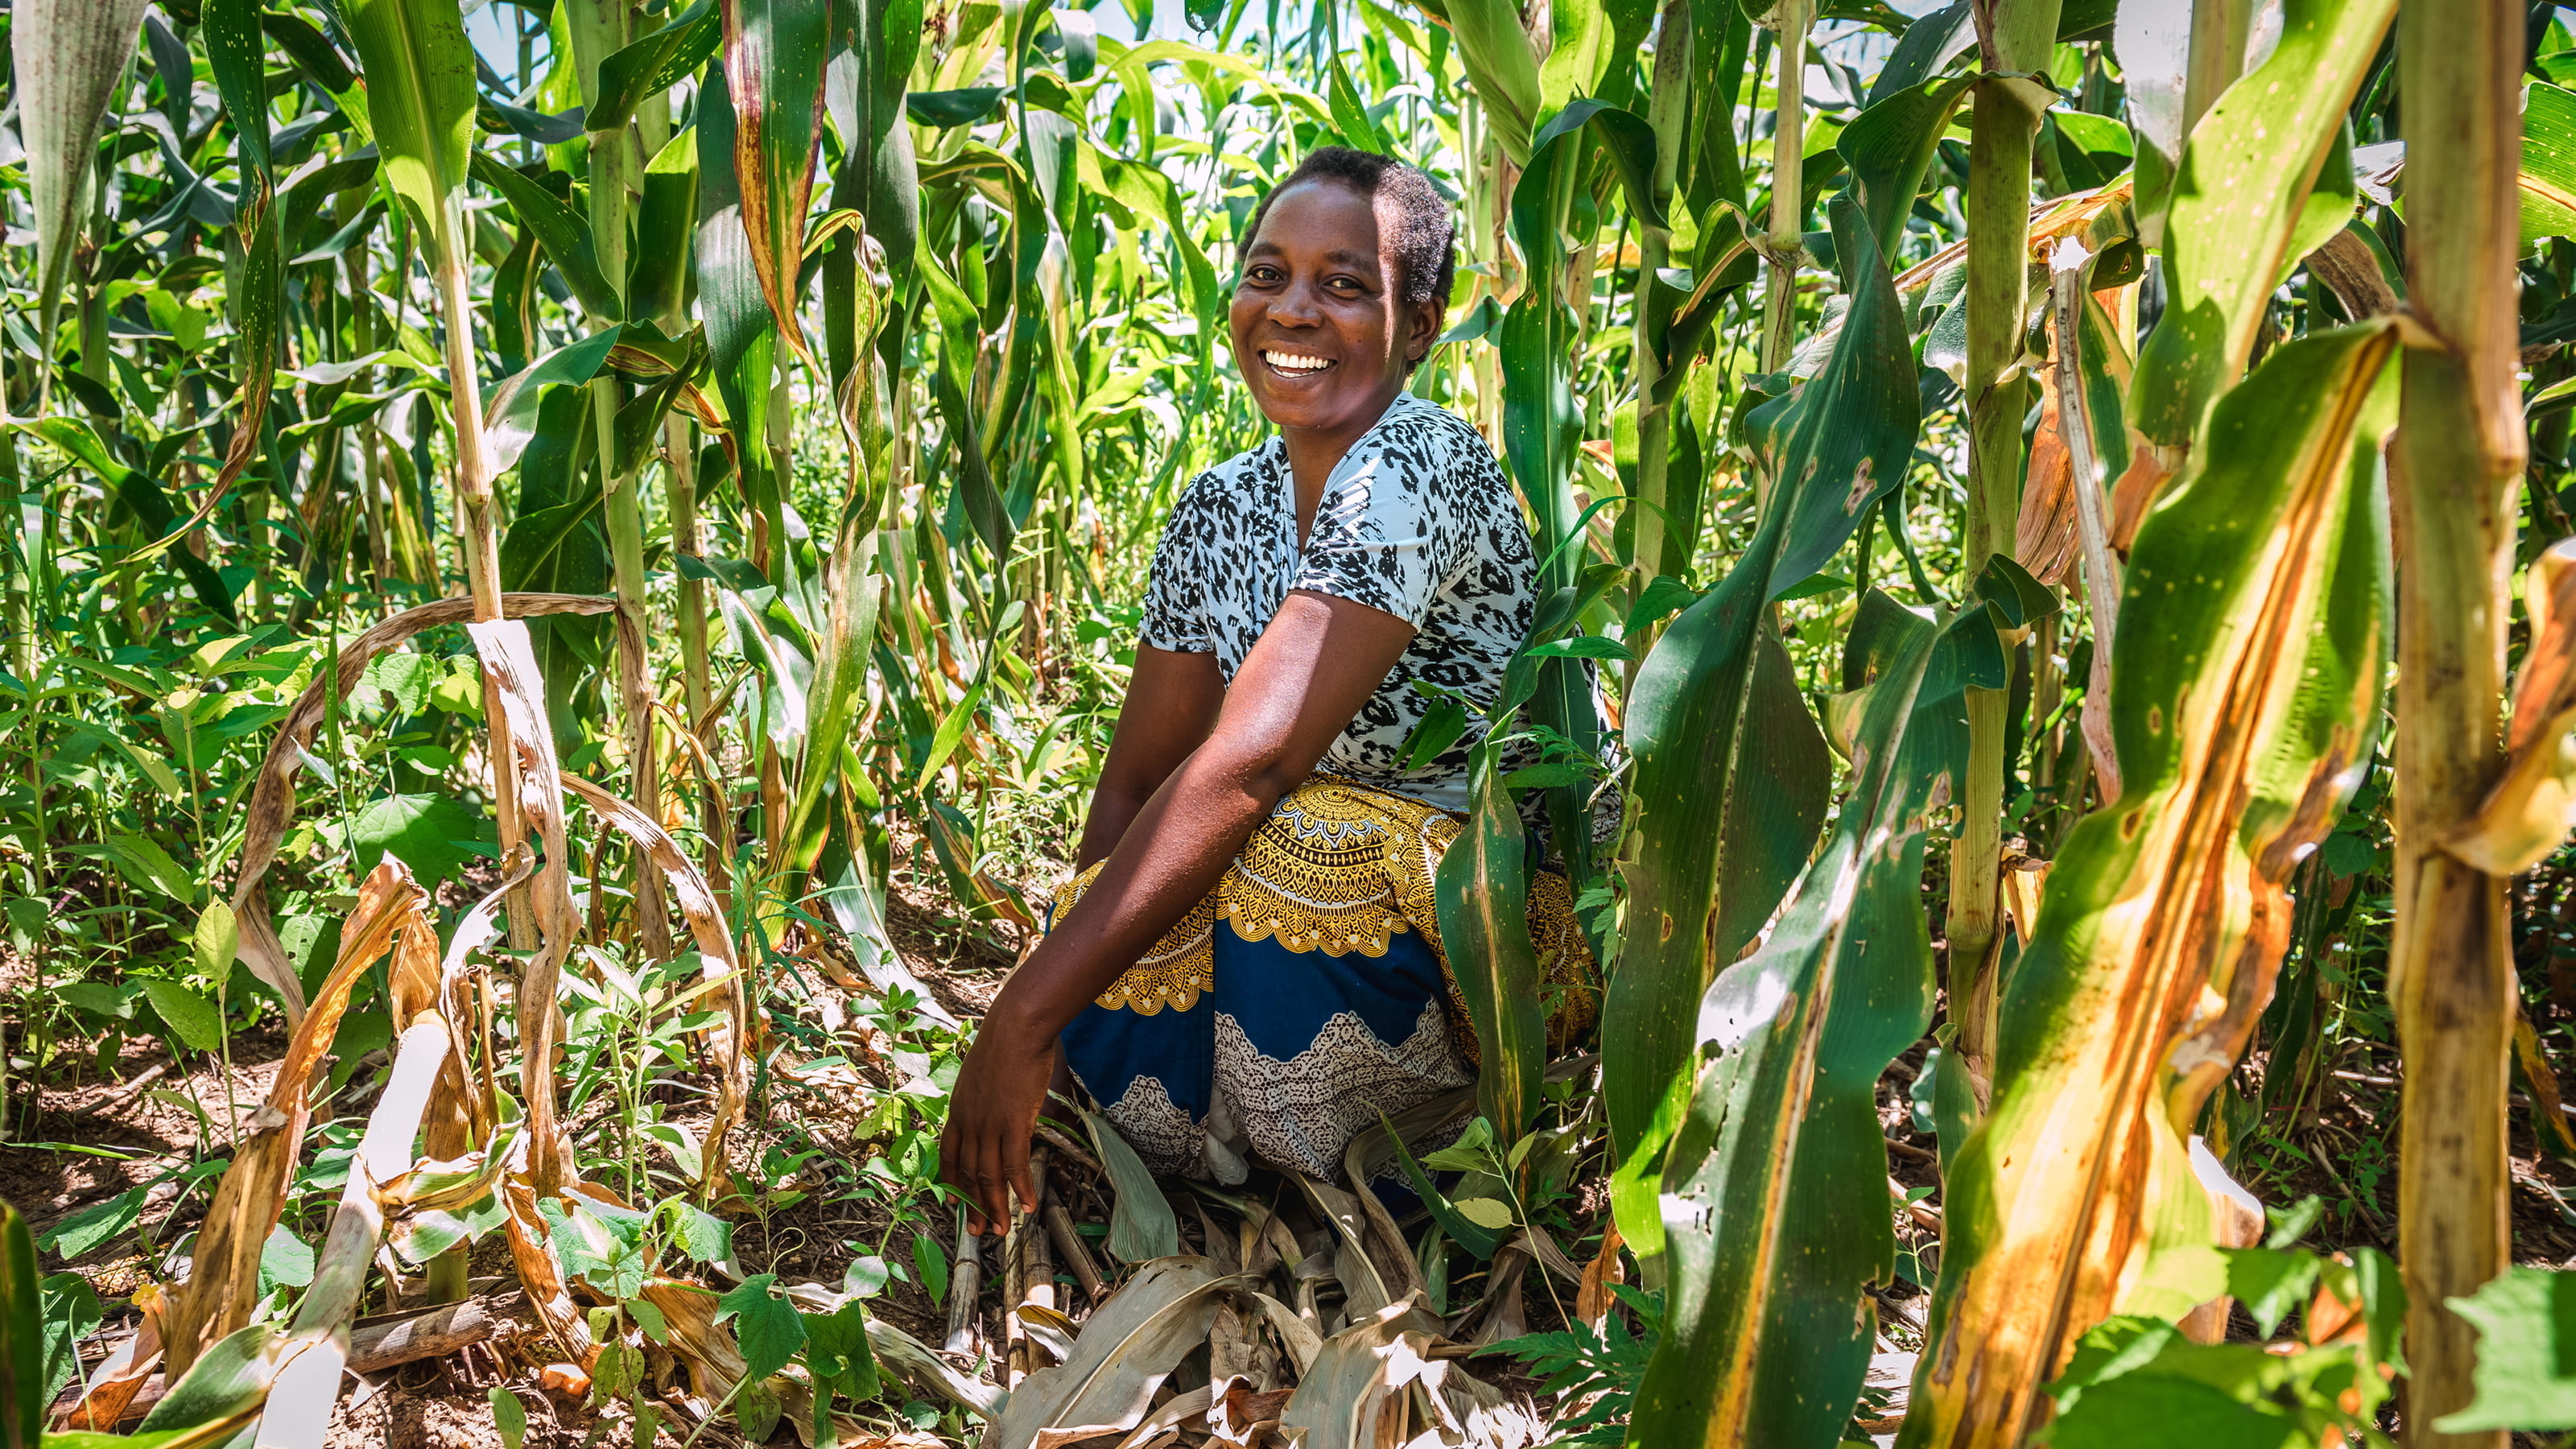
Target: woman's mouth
x,y
1295,364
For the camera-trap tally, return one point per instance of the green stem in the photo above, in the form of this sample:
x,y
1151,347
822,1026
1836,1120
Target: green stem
x,y
1788,184
2005,123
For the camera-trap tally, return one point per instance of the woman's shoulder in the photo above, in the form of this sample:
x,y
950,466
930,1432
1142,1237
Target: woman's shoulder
x,y
1443,449
1225,488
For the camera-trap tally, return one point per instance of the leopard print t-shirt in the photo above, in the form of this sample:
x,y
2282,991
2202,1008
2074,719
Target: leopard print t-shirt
x,y
1417,521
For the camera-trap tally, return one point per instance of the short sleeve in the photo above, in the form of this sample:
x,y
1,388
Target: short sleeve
x,y
1384,533
1176,602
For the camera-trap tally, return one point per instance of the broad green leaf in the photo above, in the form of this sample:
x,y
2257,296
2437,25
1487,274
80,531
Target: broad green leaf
x,y
565,236
647,67
214,942
420,102
767,1326
2526,1371
69,56
2244,690
2548,162
1578,56
2115,1415
433,834
2239,197
1482,890
509,1416
1773,1218
1732,774
1503,67
189,1015
23,1395
1888,148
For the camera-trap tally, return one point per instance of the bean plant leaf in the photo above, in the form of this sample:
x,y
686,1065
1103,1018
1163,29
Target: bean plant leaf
x,y
767,1326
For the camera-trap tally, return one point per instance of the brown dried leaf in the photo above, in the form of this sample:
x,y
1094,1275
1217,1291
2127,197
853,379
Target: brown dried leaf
x,y
223,1280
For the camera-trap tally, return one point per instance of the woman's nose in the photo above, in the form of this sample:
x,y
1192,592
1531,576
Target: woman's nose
x,y
1294,306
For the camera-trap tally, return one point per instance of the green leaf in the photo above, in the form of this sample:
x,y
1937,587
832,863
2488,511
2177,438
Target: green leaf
x,y
2151,1409
76,1233
23,1393
2526,1371
147,864
1485,1212
216,941
285,1258
1732,773
1503,66
946,109
1482,890
1778,1170
2238,198
69,56
649,66
2270,1282
191,1017
565,236
420,103
433,834
1350,114
2548,162
767,1326
509,1416
836,1349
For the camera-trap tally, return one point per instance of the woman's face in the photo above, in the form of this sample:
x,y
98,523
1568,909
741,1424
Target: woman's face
x,y
1318,330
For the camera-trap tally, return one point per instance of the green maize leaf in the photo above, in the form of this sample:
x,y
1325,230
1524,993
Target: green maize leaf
x,y
1732,774
1925,49
657,274
565,236
22,1336
646,67
1482,888
1503,67
68,57
2526,1322
1579,55
1351,117
948,109
2244,689
2548,162
512,409
774,54
1889,147
1772,1189
420,102
2239,199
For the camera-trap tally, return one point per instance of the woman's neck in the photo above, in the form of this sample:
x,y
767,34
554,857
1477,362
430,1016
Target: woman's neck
x,y
1313,453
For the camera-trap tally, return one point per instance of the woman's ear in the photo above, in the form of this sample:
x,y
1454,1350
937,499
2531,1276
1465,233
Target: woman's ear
x,y
1422,329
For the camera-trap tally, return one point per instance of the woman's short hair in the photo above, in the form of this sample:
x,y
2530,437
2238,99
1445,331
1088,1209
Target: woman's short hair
x,y
1424,239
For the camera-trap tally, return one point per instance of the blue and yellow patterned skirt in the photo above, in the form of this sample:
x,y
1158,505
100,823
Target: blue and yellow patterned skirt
x,y
1307,994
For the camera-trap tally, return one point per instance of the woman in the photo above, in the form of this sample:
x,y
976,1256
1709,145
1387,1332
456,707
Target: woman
x,y
1247,962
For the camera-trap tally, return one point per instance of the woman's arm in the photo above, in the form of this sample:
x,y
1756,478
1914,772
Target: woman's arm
x,y
1317,663
1171,706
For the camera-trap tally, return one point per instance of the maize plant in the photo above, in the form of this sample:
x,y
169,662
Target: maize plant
x,y
570,566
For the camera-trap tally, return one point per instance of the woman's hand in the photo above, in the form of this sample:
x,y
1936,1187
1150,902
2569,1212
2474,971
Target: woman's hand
x,y
992,1113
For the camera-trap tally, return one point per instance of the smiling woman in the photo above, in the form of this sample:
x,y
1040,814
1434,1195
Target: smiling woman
x,y
1248,963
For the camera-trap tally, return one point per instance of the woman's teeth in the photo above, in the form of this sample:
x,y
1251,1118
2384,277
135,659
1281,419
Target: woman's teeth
x,y
1295,361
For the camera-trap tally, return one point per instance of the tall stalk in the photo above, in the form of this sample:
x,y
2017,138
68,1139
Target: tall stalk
x,y
1788,184
2459,453
1667,111
2016,39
